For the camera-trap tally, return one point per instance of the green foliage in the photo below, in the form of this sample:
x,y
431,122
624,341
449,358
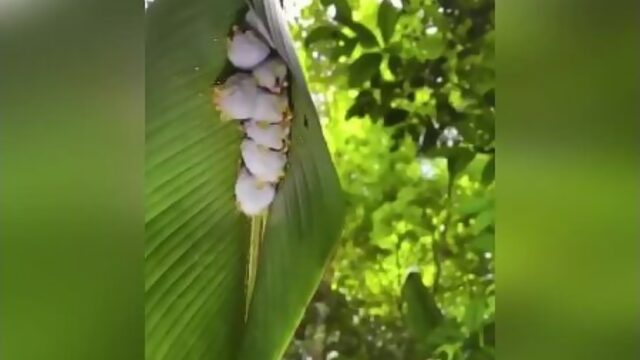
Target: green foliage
x,y
343,9
388,17
488,174
325,32
365,36
422,313
197,240
410,123
364,68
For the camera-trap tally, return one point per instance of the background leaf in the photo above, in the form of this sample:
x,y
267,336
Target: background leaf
x,y
484,219
473,317
489,171
458,161
343,9
484,243
423,315
388,17
365,36
363,68
324,33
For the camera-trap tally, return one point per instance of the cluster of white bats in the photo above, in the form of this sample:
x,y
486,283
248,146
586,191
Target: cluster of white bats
x,y
255,95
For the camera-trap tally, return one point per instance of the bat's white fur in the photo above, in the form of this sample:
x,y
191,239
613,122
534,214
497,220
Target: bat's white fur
x,y
265,164
236,98
273,136
271,74
253,196
271,108
257,95
246,50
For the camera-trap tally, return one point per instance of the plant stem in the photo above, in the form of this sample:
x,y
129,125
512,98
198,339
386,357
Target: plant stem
x,y
257,232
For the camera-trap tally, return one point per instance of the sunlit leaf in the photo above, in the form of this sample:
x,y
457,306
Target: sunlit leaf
x,y
388,17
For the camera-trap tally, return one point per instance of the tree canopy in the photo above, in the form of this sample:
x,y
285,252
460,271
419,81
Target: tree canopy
x,y
406,94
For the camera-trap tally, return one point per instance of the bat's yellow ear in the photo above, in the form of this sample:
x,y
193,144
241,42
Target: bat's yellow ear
x,y
285,145
287,114
216,97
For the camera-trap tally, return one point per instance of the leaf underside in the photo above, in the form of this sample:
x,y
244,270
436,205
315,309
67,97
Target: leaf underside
x,y
196,240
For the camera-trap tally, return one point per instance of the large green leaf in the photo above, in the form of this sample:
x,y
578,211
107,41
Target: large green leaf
x,y
197,241
304,223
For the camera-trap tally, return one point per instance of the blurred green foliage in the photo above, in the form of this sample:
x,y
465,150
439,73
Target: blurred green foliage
x,y
406,92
